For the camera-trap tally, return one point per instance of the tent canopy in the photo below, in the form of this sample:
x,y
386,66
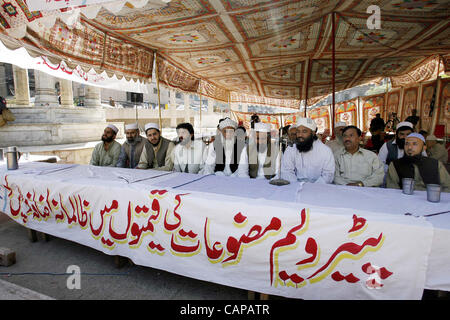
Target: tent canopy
x,y
270,51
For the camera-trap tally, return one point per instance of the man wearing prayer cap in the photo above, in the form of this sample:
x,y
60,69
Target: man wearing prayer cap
x,y
337,143
436,150
309,160
131,150
225,152
394,149
413,164
260,158
106,153
157,154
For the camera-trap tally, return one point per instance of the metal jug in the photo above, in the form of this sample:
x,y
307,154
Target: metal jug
x,y
12,157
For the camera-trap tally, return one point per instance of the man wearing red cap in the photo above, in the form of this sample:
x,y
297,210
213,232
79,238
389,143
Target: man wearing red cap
x,y
414,165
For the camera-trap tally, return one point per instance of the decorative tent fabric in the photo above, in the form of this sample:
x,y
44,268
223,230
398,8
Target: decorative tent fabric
x,y
272,49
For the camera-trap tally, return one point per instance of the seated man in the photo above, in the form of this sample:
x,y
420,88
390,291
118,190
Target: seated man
x,y
309,160
436,150
224,153
292,135
188,154
414,165
393,149
106,153
260,158
131,150
337,143
356,166
158,153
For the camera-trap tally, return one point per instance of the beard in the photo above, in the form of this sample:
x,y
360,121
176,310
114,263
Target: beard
x,y
400,143
107,139
306,145
157,142
413,159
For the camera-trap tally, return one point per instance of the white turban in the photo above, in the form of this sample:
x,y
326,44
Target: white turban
x,y
262,127
307,122
113,128
132,126
151,125
227,123
293,126
340,124
405,124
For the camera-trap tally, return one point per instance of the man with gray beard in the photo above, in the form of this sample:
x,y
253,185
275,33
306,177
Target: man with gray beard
x,y
225,152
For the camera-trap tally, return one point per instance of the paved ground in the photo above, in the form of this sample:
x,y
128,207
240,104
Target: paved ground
x,y
41,266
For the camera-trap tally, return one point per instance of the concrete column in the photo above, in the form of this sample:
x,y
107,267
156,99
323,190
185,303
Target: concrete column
x,y
210,106
187,109
21,87
45,90
3,87
66,93
92,98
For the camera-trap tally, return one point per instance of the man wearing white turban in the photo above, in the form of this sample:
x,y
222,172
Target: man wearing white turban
x,y
308,160
106,153
260,158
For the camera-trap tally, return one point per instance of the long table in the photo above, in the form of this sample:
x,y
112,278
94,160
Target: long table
x,y
302,240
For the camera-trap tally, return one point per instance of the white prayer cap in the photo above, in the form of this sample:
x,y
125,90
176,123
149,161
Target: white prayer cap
x,y
416,135
293,126
431,137
405,124
307,122
340,124
113,127
262,127
132,126
151,125
227,123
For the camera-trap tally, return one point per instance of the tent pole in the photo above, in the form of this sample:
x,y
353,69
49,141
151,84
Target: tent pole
x,y
200,109
159,96
436,108
333,71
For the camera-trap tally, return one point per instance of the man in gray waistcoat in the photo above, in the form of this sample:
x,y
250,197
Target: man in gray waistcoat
x,y
131,150
157,154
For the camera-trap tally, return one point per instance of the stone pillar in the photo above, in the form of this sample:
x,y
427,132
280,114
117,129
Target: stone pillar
x,y
65,86
45,90
187,108
210,106
92,98
21,87
3,86
173,109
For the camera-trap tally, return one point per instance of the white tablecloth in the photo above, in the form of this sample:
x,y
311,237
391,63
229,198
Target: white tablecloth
x,y
342,198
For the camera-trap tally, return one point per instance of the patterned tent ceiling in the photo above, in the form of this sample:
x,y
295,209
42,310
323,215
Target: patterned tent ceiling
x,y
270,51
